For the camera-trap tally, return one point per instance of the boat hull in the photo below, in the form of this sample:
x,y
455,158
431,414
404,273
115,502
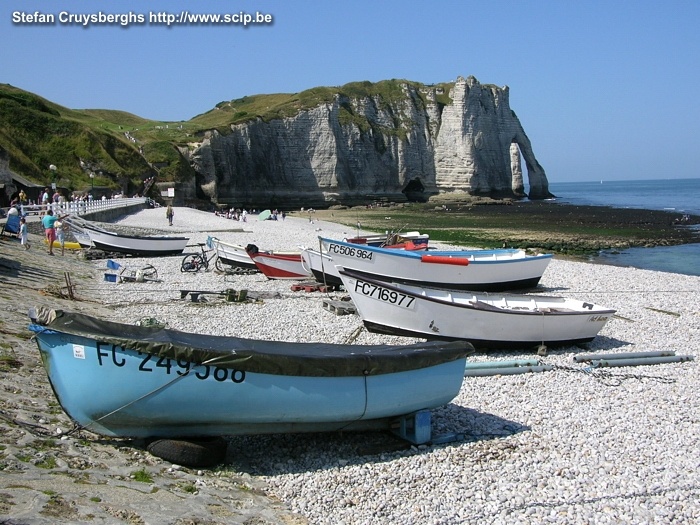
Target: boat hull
x,y
486,321
67,245
83,239
323,269
122,390
477,270
142,246
232,254
321,266
280,265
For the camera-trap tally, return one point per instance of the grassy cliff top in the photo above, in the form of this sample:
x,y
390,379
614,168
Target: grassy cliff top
x,y
37,132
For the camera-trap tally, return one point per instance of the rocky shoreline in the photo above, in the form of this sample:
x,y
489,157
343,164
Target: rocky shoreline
x,y
546,226
568,446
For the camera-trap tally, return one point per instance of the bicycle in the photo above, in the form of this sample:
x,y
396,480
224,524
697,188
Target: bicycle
x,y
194,262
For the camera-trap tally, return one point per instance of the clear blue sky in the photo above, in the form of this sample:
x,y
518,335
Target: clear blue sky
x,y
604,89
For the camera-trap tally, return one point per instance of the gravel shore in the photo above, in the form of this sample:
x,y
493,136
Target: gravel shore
x,y
569,446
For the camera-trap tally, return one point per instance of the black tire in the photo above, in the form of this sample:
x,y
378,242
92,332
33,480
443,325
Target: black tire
x,y
191,263
149,272
219,265
190,452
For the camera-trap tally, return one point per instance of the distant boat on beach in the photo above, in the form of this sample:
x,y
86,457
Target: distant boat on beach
x,y
136,245
232,255
278,265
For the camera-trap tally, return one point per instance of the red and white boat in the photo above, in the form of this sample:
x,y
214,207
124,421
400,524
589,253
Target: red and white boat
x,y
278,265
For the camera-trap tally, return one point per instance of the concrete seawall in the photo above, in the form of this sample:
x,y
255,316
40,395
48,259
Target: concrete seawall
x,y
113,214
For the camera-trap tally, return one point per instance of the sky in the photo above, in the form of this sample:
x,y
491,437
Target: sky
x,y
604,89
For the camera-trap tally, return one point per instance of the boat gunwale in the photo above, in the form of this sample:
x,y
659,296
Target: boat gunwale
x,y
253,355
466,254
139,237
379,328
472,306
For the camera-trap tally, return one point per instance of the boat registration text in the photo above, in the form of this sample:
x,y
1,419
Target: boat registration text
x,y
349,251
109,354
383,294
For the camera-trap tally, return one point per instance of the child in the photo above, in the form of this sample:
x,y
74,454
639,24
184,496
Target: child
x,y
23,233
61,234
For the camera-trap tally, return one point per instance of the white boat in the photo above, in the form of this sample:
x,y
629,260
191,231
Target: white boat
x,y
232,254
477,270
77,227
484,320
322,267
137,245
82,238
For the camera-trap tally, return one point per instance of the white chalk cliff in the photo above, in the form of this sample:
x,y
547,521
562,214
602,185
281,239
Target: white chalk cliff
x,y
352,149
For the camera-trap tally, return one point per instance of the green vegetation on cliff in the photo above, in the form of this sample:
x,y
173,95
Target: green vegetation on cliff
x,y
122,149
37,133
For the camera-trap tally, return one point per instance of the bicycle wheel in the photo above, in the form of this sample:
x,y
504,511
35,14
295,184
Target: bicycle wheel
x,y
191,263
219,265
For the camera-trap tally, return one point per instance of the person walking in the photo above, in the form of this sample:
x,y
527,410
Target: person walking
x,y
169,213
45,200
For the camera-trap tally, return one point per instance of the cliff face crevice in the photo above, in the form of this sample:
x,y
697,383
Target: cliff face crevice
x,y
352,149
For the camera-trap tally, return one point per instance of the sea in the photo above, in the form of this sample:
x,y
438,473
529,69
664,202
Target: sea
x,y
681,196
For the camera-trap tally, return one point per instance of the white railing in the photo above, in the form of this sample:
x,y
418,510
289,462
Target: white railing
x,y
80,207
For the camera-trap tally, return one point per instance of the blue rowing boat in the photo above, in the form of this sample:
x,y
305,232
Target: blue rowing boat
x,y
123,380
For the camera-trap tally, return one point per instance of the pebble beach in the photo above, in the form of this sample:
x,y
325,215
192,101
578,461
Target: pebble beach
x,y
562,445
573,445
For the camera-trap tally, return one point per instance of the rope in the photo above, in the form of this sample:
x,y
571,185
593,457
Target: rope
x,y
323,270
37,430
590,292
610,379
166,385
364,409
586,501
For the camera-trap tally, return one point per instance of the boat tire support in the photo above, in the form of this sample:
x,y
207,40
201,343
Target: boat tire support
x,y
190,452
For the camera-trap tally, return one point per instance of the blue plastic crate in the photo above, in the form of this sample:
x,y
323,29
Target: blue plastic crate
x,y
113,265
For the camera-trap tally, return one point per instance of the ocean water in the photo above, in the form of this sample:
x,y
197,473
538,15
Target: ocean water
x,y
676,195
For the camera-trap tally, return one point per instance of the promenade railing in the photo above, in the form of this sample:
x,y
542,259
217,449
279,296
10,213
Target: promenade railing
x,y
79,208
